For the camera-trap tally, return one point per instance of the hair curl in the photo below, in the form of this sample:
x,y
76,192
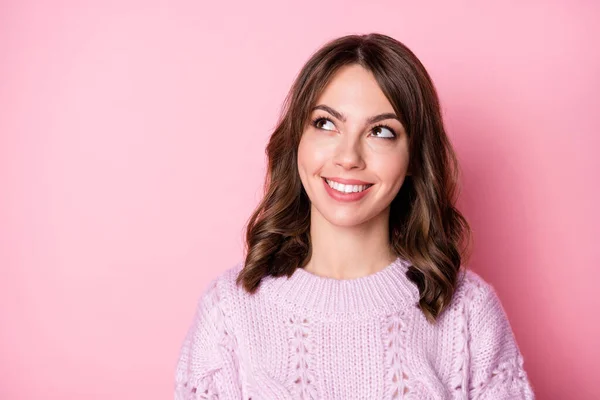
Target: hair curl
x,y
425,226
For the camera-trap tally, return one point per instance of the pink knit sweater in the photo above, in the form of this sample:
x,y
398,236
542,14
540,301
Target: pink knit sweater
x,y
310,337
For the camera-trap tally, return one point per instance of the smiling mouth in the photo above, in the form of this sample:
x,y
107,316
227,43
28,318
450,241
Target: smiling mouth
x,y
343,188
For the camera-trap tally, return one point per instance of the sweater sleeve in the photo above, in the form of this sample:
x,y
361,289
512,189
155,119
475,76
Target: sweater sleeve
x,y
496,362
207,364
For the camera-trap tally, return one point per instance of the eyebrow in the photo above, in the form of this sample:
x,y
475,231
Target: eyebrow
x,y
343,118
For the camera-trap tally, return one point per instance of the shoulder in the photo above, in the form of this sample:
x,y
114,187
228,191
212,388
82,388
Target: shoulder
x,y
208,352
219,289
213,309
473,289
481,303
471,281
496,363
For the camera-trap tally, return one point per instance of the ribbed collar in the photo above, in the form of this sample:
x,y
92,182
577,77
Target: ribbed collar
x,y
381,292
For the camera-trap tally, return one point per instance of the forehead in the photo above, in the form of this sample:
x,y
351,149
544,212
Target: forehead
x,y
354,91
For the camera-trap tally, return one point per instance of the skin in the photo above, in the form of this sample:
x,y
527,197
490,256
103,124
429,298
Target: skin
x,y
350,240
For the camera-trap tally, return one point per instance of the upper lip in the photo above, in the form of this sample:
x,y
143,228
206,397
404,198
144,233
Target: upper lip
x,y
347,181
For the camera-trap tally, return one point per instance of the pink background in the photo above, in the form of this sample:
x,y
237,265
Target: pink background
x,y
132,139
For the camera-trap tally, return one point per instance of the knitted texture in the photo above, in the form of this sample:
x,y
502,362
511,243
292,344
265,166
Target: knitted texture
x,y
309,337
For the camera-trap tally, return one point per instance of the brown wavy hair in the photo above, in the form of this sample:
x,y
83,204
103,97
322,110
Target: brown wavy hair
x,y
426,228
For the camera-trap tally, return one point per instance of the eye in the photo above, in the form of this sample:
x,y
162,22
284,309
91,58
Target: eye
x,y
380,131
319,123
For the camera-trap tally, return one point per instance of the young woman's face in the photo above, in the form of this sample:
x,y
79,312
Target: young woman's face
x,y
344,145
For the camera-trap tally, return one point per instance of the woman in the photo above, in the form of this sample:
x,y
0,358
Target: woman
x,y
353,284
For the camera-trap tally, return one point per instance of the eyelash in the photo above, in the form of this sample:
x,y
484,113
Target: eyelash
x,y
316,121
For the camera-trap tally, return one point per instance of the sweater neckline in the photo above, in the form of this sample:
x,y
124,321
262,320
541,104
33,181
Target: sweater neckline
x,y
383,291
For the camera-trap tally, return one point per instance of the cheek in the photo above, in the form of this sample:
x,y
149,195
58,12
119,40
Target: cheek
x,y
313,153
303,153
390,168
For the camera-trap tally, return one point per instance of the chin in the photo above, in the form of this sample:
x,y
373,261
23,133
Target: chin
x,y
345,218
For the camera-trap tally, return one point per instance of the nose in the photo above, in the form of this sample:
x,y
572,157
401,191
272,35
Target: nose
x,y
348,154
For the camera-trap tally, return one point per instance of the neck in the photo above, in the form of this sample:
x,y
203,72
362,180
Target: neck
x,y
347,252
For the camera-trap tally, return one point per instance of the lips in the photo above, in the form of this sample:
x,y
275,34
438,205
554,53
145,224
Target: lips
x,y
347,197
347,181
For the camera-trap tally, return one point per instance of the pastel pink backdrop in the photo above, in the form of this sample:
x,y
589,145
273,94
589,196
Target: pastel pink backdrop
x,y
132,139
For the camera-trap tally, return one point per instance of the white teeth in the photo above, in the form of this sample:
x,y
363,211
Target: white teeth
x,y
340,187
